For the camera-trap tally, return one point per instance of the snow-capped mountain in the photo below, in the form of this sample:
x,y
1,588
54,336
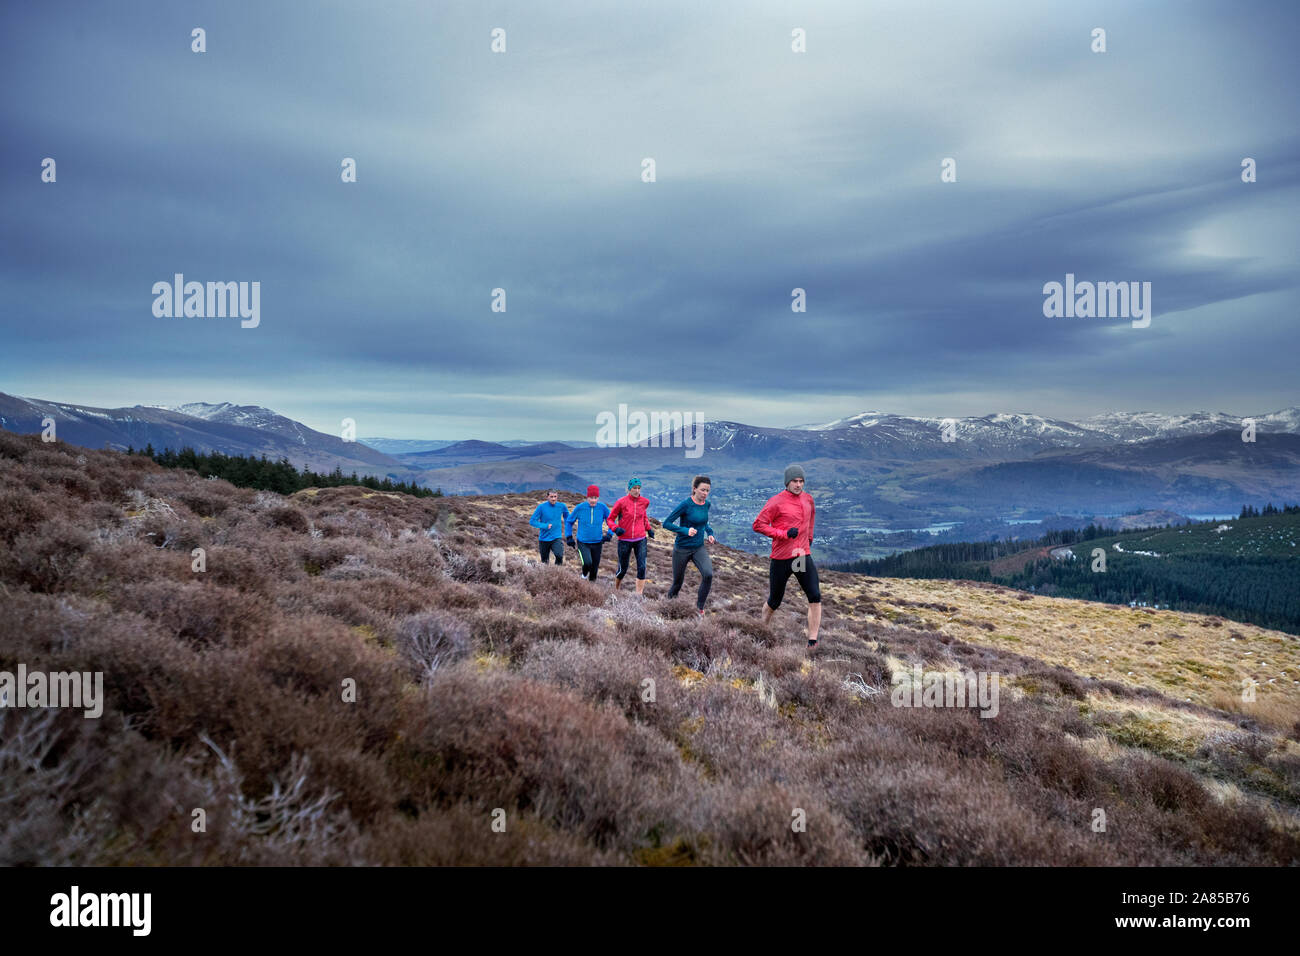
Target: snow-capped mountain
x,y
248,416
1140,426
862,418
230,429
996,435
1004,433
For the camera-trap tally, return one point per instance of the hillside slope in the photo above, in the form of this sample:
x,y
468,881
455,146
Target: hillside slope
x,y
483,682
229,429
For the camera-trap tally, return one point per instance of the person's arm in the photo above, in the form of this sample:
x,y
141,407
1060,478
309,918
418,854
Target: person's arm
x,y
812,520
569,521
536,519
670,524
763,523
708,528
612,518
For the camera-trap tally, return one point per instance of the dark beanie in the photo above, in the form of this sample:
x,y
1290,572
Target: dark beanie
x,y
793,472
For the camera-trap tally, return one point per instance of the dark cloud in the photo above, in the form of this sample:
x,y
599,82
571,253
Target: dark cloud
x,y
775,171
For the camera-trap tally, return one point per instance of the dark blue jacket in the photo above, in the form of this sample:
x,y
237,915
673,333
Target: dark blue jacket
x,y
553,514
589,520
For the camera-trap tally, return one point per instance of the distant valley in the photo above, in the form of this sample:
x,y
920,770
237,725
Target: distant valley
x,y
882,483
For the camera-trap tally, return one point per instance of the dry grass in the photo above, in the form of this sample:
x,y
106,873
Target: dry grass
x,y
601,728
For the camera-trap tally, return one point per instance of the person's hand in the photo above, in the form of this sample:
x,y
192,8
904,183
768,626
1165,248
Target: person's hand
x,y
710,539
606,537
548,527
690,533
570,542
650,531
619,530
792,533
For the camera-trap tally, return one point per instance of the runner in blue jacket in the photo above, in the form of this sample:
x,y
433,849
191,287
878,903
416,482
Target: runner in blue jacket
x,y
549,520
588,519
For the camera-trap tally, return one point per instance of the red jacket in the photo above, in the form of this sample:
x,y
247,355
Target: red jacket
x,y
782,512
630,514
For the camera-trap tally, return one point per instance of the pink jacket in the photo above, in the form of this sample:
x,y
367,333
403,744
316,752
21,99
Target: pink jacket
x,y
630,514
785,511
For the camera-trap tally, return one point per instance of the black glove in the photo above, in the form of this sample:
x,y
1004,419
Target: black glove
x,y
650,531
618,531
792,533
570,542
606,537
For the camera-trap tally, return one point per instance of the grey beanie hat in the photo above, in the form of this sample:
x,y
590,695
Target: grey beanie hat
x,y
793,472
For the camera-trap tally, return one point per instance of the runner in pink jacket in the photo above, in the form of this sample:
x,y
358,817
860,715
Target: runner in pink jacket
x,y
631,523
788,520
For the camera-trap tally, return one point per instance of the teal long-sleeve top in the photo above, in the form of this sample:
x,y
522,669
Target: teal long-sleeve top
x,y
691,515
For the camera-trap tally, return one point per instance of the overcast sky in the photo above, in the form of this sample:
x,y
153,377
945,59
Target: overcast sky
x,y
775,170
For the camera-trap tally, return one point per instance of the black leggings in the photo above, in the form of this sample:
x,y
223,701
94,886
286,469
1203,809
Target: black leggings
x,y
683,557
546,548
590,555
625,549
778,573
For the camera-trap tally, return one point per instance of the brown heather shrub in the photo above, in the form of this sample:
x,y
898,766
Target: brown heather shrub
x,y
199,612
566,625
289,518
680,608
14,447
314,556
504,741
417,562
1058,679
908,809
221,687
611,673
21,511
504,598
236,568
452,595
649,636
738,737
817,693
1169,787
751,625
45,556
205,502
557,588
753,827
462,834
472,568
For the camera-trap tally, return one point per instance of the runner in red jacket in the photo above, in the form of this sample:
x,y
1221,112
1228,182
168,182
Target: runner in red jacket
x,y
631,523
788,520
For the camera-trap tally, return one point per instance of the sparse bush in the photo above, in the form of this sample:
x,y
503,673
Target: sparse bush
x,y
431,639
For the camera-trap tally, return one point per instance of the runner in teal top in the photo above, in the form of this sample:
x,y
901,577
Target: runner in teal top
x,y
693,515
690,520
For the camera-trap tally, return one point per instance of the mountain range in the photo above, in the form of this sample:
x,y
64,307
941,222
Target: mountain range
x,y
224,427
874,474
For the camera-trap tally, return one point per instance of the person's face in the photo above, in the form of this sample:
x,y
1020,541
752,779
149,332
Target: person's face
x,y
635,491
592,499
702,492
796,486
552,497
